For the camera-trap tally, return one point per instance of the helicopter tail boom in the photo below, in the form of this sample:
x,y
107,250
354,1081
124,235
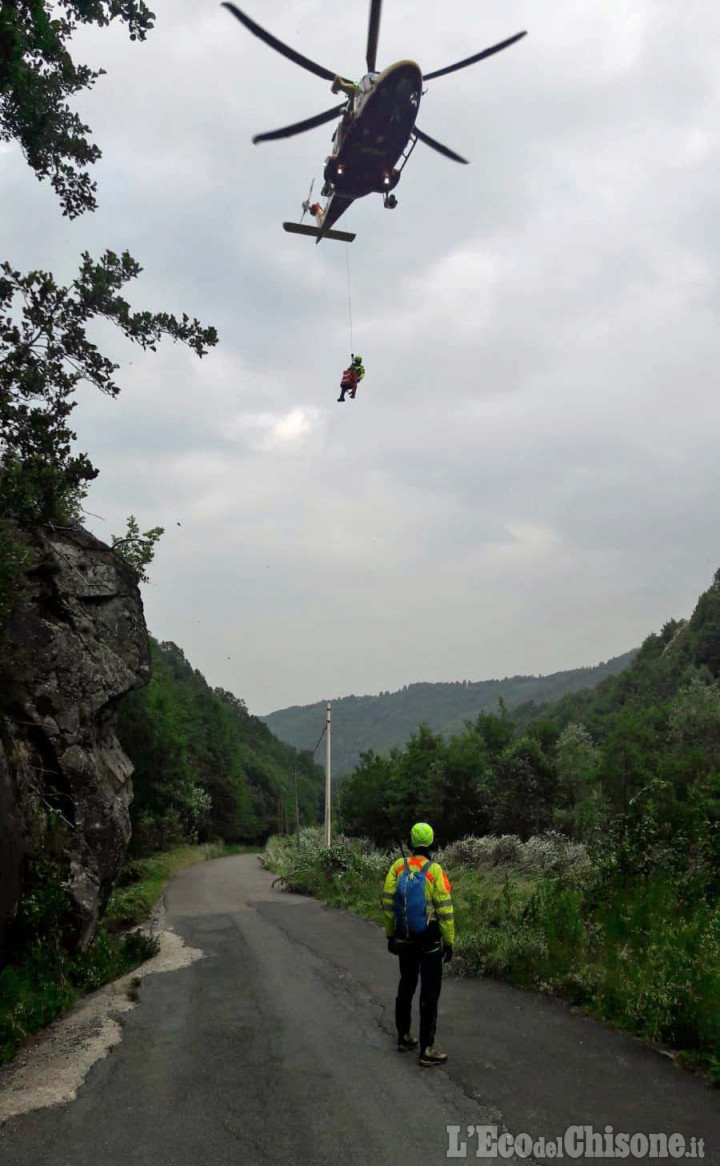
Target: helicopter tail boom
x,y
317,233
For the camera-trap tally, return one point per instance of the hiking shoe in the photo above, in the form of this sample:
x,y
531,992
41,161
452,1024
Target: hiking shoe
x,y
406,1042
341,398
431,1056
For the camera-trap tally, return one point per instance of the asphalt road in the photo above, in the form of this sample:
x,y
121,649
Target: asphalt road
x,y
278,1048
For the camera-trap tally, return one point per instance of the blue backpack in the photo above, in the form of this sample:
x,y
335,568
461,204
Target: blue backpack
x,y
410,903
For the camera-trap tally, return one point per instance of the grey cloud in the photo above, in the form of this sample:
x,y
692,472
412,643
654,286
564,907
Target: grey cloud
x,y
528,477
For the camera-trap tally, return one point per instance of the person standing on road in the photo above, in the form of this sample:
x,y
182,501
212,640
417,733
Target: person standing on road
x,y
420,930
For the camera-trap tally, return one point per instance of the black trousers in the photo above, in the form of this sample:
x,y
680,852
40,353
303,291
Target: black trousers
x,y
427,965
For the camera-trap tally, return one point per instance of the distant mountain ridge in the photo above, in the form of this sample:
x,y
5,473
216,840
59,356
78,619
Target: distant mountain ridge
x,y
379,722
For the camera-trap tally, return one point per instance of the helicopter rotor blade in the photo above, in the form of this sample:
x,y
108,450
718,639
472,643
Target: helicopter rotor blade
x,y
373,34
505,44
299,127
278,45
447,153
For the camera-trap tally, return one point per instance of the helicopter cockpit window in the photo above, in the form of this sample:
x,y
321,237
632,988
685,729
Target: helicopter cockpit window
x,y
367,82
364,88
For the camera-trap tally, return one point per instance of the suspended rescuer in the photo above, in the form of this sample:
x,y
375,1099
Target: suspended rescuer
x,y
420,930
351,377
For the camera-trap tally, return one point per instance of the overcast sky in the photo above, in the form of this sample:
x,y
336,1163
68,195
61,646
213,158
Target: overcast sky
x,y
528,478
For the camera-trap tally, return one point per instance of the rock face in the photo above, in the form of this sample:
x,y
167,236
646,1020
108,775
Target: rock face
x,y
75,644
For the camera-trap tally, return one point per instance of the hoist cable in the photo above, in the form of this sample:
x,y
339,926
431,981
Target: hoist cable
x,y
347,264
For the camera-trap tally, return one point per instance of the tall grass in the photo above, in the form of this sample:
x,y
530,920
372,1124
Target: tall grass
x,y
143,880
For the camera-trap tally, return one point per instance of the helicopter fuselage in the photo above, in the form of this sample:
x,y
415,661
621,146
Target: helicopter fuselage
x,y
370,140
378,126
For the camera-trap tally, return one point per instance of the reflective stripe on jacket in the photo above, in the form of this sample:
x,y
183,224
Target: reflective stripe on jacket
x,y
437,896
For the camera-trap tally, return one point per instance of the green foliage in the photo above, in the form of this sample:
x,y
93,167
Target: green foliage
x,y
344,874
138,550
31,995
205,768
14,561
481,779
523,789
44,973
704,629
37,491
38,75
381,722
684,650
143,880
580,808
45,353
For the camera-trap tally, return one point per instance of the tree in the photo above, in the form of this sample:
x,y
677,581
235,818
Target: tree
x,y
45,353
694,718
524,788
496,730
629,754
203,765
581,808
366,797
415,793
705,628
138,550
38,75
465,792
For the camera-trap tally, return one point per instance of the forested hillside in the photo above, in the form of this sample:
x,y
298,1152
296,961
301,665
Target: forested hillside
x,y
643,746
379,722
204,767
682,651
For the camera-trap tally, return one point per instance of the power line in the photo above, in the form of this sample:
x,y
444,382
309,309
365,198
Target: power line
x,y
320,738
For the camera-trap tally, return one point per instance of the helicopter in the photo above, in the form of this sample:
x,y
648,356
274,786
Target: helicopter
x,y
377,129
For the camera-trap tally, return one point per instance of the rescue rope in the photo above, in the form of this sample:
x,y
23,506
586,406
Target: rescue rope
x,y
347,264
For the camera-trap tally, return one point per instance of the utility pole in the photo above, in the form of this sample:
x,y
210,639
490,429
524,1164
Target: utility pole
x,y
328,824
297,805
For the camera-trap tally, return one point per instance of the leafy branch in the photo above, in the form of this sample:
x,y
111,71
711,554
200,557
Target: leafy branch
x,y
136,549
45,353
38,76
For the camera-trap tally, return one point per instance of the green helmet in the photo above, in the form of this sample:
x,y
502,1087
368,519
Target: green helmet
x,y
357,360
422,834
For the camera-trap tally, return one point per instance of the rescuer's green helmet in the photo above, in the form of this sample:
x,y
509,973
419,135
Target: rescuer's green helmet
x,y
422,834
357,360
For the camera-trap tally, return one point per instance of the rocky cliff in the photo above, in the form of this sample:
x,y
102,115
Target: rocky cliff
x,y
75,644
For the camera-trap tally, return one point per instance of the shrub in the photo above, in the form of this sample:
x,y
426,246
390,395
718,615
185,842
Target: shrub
x,y
549,852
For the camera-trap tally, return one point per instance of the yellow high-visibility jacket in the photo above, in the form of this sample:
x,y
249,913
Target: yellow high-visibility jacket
x,y
437,896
